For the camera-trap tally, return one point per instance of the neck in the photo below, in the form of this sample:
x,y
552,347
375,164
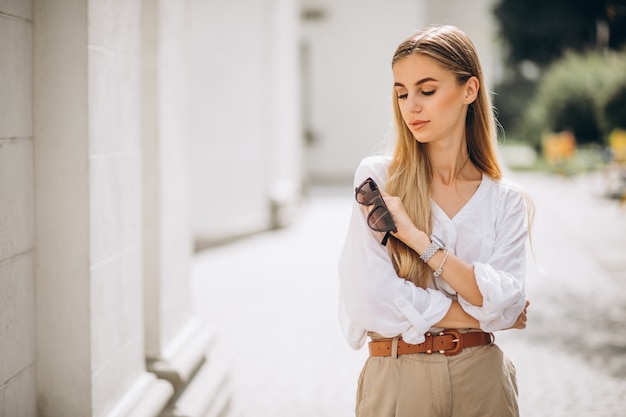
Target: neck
x,y
450,165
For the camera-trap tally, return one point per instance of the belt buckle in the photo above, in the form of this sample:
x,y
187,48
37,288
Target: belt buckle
x,y
458,340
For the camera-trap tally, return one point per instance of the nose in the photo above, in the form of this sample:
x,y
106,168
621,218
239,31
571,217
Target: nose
x,y
416,104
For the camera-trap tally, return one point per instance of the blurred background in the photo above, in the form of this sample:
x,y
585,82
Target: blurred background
x,y
175,186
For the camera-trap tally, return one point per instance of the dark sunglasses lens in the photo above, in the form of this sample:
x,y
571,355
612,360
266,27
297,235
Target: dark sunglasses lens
x,y
380,220
365,195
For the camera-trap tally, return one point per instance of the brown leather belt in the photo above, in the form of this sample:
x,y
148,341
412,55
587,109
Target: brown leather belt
x,y
448,342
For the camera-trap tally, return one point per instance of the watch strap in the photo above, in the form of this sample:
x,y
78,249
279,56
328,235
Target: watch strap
x,y
431,249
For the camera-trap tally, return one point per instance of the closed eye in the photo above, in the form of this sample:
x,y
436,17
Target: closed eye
x,y
428,93
402,96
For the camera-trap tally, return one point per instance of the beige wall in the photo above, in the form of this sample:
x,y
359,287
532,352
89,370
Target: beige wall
x,y
88,159
120,123
246,137
166,175
17,232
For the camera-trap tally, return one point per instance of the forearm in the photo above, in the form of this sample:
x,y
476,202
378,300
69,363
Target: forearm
x,y
457,318
457,273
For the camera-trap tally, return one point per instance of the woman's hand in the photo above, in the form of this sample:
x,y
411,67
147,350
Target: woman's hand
x,y
520,323
407,231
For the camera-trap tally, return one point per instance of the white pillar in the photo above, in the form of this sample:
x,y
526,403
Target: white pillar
x,y
178,344
88,216
286,140
232,97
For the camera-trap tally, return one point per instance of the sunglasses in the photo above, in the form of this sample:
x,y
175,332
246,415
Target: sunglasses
x,y
379,218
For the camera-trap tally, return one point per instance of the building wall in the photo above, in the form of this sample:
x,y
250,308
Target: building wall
x,y
246,136
116,337
166,198
104,121
18,372
87,125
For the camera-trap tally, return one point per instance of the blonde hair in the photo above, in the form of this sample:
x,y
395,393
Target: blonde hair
x,y
410,170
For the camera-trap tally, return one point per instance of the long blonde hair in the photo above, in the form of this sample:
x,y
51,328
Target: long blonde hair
x,y
410,172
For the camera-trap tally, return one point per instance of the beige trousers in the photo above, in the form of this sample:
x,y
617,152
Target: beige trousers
x,y
478,382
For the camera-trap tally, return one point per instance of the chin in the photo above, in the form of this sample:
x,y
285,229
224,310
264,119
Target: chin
x,y
421,138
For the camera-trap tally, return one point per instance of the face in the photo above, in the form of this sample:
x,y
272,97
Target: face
x,y
432,102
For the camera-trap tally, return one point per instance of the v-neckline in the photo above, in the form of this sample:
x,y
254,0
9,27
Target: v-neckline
x,y
475,197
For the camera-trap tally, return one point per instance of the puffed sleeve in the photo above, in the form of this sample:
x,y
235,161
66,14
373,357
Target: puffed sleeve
x,y
372,296
501,277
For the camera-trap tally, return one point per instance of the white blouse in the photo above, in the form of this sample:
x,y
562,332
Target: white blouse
x,y
489,232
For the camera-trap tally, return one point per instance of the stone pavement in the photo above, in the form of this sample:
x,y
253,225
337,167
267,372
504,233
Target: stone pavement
x,y
272,300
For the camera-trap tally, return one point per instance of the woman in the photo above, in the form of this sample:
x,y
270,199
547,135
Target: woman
x,y
453,270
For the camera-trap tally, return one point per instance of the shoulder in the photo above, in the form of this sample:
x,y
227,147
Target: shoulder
x,y
374,167
503,186
510,189
509,196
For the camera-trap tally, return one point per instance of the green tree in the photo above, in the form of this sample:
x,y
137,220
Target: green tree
x,y
581,92
535,33
615,109
541,31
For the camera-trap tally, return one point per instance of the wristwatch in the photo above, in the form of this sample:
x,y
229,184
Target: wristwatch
x,y
434,246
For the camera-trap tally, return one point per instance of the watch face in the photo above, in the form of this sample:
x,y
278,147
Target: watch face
x,y
438,241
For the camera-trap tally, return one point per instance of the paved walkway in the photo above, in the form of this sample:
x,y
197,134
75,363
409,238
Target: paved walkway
x,y
272,300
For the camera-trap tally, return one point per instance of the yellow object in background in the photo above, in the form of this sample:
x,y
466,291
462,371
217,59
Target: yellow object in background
x,y
559,147
617,142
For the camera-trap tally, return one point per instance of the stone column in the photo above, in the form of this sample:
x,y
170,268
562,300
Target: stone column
x,y
178,344
88,158
18,372
285,128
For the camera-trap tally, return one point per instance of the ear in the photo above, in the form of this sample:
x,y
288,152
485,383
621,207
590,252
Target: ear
x,y
471,90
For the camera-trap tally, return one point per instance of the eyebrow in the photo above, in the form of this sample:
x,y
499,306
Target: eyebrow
x,y
420,82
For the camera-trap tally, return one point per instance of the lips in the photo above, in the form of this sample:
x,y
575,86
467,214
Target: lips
x,y
417,124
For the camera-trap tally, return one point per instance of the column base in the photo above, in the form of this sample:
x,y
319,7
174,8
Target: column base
x,y
208,395
285,198
201,383
148,397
